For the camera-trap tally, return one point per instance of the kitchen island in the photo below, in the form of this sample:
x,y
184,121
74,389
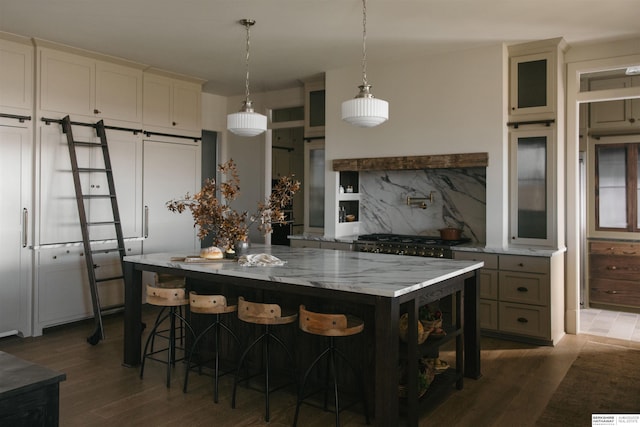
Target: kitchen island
x,y
383,283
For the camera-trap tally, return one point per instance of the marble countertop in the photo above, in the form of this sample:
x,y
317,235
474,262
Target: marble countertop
x,y
358,272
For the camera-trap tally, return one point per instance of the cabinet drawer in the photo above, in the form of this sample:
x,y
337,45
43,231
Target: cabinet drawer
x,y
615,248
489,284
619,292
488,311
524,320
614,267
526,288
490,260
524,263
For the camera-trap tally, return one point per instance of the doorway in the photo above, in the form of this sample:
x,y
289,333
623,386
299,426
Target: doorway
x,y
579,98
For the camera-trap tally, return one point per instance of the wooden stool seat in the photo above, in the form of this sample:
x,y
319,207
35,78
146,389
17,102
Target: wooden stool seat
x,y
210,304
216,305
329,325
265,314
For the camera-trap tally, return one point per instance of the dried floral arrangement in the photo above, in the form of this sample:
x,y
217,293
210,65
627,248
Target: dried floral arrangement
x,y
216,217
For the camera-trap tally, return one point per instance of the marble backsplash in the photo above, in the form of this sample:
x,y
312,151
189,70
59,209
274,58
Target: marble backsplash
x,y
459,200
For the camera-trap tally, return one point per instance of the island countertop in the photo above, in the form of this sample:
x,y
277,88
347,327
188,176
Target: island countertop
x,y
363,273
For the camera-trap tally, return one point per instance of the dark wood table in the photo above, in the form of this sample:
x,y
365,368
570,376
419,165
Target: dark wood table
x,y
384,283
29,393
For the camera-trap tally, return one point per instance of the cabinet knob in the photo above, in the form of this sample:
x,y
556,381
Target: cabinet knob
x,y
520,264
612,292
522,320
612,267
522,289
96,111
173,123
632,120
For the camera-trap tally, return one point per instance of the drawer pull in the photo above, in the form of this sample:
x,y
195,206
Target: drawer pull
x,y
629,253
520,265
522,289
612,267
612,292
522,320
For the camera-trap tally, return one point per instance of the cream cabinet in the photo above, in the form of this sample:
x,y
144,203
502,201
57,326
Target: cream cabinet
x,y
622,114
521,297
62,286
532,86
171,105
16,77
15,227
81,85
58,220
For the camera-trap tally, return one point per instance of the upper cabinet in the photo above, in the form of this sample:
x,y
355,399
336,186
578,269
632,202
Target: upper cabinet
x,y
314,111
172,105
16,76
535,79
82,85
621,114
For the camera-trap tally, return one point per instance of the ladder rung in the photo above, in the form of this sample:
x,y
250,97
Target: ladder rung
x,y
87,144
108,279
106,251
104,223
98,196
93,170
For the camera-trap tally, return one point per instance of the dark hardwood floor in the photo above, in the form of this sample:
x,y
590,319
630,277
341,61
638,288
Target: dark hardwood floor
x,y
518,380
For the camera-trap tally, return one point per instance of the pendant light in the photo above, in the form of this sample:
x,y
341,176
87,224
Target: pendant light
x,y
246,122
364,110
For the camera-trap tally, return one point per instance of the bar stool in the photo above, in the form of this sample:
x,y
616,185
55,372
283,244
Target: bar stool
x,y
218,306
331,326
171,300
267,315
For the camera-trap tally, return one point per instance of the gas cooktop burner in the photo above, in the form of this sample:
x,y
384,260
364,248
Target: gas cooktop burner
x,y
407,239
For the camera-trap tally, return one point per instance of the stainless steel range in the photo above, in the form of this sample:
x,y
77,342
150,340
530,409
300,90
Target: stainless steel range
x,y
399,244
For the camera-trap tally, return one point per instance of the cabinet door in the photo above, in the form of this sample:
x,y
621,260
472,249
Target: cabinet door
x,y
16,77
66,83
157,94
125,151
118,92
15,266
532,83
186,106
314,109
611,114
170,171
59,220
532,189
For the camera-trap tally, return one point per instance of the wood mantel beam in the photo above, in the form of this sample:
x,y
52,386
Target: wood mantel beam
x,y
440,161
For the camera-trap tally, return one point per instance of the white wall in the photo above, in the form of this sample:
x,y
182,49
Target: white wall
x,y
442,104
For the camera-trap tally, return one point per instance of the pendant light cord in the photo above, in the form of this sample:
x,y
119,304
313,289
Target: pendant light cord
x,y
364,42
246,84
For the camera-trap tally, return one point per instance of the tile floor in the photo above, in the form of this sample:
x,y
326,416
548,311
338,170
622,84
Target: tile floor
x,y
612,324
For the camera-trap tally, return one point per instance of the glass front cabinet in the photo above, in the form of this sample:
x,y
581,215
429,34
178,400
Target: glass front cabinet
x,y
532,181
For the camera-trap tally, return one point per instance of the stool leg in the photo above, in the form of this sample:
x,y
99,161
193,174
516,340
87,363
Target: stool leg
x,y
332,358
266,374
304,382
360,380
240,363
150,339
171,356
193,351
216,374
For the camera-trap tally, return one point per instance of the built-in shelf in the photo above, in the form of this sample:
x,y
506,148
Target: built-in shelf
x,y
440,161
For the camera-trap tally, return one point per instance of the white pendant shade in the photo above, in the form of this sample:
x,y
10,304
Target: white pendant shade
x,y
365,112
245,123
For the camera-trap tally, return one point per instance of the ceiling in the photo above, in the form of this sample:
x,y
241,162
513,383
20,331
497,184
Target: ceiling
x,y
296,39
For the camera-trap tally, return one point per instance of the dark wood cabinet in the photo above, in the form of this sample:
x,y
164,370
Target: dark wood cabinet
x,y
614,273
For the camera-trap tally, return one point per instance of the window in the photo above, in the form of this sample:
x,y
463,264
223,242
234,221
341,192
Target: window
x,y
617,187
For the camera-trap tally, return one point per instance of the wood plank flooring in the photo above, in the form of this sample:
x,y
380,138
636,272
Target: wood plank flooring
x,y
518,380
